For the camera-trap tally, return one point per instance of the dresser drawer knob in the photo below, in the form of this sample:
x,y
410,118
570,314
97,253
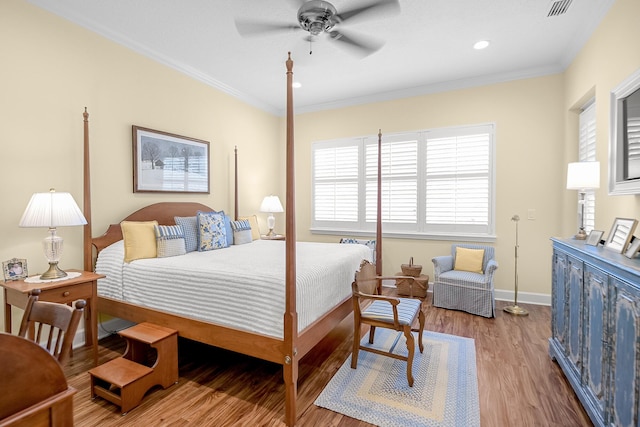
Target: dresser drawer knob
x,y
65,294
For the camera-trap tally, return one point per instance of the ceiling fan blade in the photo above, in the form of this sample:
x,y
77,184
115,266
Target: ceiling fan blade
x,y
255,28
363,46
378,6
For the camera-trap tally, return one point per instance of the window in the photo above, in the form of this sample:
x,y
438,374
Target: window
x,y
587,153
435,183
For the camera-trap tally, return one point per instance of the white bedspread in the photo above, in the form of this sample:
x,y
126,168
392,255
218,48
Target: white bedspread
x,y
240,286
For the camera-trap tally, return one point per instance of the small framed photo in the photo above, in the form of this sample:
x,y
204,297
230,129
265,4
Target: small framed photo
x,y
633,249
594,237
15,269
620,234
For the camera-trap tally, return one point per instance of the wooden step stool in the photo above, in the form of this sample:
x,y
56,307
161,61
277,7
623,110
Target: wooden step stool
x,y
125,380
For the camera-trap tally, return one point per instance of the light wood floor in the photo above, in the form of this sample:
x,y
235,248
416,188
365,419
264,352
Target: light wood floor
x,y
518,383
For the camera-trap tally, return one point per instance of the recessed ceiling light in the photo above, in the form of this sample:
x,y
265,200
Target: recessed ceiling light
x,y
296,85
481,44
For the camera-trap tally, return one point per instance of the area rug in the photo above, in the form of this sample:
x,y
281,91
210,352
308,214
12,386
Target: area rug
x,y
444,392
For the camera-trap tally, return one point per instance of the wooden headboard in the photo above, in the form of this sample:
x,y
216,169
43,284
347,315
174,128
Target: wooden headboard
x,y
161,212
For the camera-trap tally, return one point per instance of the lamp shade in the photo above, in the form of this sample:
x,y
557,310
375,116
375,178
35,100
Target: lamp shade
x,y
583,176
52,210
271,204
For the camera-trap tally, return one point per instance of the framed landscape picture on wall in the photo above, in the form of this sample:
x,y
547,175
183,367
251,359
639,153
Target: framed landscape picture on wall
x,y
168,163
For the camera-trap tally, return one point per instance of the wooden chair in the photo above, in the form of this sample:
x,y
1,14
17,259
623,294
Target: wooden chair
x,y
384,312
54,322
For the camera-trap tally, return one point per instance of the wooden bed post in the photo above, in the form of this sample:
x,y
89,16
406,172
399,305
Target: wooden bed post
x,y
86,199
290,366
235,197
379,211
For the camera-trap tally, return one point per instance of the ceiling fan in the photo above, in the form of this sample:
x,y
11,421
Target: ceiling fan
x,y
318,17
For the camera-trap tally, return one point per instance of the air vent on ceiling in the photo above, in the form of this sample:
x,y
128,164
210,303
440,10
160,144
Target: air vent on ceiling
x,y
559,7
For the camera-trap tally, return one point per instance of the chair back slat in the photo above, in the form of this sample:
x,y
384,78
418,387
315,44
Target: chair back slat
x,y
51,325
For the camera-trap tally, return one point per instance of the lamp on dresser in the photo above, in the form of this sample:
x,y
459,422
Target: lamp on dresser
x,y
52,210
583,176
271,204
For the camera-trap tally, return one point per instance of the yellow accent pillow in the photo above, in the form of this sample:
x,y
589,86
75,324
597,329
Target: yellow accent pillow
x,y
253,222
139,239
469,260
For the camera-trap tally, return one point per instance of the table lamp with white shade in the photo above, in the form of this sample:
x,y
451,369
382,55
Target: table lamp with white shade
x,y
583,176
52,210
271,204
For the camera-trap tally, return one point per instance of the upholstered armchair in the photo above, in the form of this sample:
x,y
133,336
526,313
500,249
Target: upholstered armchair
x,y
464,279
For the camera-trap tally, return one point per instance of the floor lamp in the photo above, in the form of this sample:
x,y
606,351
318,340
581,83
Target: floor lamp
x,y
514,309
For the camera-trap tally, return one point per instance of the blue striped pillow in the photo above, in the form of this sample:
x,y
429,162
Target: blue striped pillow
x,y
169,240
241,232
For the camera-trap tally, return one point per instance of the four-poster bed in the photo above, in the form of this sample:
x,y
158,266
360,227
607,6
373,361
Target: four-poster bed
x,y
287,349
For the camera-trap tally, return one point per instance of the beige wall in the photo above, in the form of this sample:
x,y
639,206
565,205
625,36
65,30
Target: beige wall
x,y
608,58
51,69
529,123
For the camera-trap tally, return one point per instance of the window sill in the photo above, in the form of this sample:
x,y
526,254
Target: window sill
x,y
407,235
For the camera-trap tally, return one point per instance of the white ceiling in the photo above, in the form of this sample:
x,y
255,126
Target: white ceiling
x,y
428,45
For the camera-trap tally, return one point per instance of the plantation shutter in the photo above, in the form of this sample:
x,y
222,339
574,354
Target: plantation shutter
x,y
399,179
335,186
457,171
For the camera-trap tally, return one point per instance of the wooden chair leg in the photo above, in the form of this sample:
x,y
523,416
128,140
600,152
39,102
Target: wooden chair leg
x,y
421,331
356,344
372,333
411,344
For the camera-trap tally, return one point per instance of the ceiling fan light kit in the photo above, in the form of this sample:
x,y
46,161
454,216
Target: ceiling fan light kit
x,y
317,16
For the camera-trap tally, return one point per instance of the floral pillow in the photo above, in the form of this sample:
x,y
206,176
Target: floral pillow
x,y
211,231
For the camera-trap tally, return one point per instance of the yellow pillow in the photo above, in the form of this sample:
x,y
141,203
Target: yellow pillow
x,y
469,260
139,239
253,222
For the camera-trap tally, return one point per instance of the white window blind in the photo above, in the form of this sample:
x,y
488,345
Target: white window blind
x,y
434,183
587,153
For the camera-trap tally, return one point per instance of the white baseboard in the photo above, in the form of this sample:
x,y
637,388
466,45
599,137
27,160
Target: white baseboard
x,y
105,329
524,297
502,295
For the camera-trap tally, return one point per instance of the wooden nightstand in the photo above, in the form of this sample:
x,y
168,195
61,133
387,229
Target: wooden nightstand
x,y
273,237
84,287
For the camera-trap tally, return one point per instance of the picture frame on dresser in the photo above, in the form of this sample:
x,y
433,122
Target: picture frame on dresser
x,y
14,269
168,163
633,249
620,234
594,237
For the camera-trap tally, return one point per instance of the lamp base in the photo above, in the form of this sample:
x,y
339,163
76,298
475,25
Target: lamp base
x,y
582,235
53,272
270,233
516,310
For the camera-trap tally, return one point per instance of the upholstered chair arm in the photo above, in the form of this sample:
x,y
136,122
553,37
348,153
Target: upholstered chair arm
x,y
442,264
492,266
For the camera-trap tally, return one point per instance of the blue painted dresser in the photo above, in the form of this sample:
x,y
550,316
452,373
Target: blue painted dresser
x,y
595,329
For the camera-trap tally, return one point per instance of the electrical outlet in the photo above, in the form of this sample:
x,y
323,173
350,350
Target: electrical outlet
x,y
531,214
